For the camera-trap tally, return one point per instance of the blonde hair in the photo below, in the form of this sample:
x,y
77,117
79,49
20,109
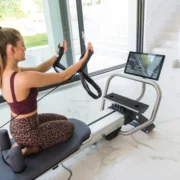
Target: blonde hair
x,y
7,36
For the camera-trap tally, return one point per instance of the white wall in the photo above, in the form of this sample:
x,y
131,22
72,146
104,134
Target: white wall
x,y
179,47
37,55
132,18
158,13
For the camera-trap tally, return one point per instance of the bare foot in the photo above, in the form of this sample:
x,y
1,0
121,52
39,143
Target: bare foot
x,y
14,145
27,150
30,150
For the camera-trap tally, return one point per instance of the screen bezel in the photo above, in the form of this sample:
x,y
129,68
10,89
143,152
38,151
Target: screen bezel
x,y
162,62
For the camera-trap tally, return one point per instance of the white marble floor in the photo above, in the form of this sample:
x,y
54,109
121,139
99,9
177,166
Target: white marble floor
x,y
140,156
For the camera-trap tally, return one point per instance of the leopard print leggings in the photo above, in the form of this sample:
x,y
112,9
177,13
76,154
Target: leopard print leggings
x,y
41,130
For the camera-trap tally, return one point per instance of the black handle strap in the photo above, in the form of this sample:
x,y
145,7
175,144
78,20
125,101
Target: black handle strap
x,y
83,76
58,65
57,62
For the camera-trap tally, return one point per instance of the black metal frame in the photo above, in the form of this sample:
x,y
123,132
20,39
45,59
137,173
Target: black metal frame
x,y
140,25
80,24
139,43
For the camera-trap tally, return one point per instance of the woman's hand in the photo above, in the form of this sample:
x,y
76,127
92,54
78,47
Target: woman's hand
x,y
61,50
89,47
85,57
64,46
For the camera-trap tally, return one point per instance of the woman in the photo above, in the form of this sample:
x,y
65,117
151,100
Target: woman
x,y
30,130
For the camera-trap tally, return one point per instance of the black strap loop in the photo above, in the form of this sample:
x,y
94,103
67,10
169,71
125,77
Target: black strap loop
x,y
83,76
60,54
59,66
57,62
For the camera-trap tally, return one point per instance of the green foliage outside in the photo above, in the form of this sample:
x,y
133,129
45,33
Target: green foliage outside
x,y
91,2
10,8
39,5
36,40
146,60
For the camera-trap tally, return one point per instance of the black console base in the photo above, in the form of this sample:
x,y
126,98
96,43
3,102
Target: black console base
x,y
112,135
133,118
147,129
127,103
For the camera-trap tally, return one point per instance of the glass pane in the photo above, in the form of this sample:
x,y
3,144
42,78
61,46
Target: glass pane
x,y
75,28
108,24
27,17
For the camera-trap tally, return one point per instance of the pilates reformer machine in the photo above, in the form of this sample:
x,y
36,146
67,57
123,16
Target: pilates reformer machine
x,y
140,67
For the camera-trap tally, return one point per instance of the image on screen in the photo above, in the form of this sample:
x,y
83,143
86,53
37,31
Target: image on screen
x,y
144,65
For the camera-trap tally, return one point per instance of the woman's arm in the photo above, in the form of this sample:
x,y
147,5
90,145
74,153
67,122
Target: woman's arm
x,y
38,79
45,66
31,79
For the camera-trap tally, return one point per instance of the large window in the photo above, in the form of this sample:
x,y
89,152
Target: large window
x,y
27,17
109,24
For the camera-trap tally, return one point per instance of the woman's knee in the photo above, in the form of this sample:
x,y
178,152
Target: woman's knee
x,y
47,117
70,127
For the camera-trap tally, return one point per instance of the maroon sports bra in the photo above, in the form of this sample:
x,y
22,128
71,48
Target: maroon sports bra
x,y
25,106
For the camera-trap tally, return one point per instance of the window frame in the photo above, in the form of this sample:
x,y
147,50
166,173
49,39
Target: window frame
x,y
139,44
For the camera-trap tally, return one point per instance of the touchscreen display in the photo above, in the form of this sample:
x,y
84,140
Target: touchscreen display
x,y
144,65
